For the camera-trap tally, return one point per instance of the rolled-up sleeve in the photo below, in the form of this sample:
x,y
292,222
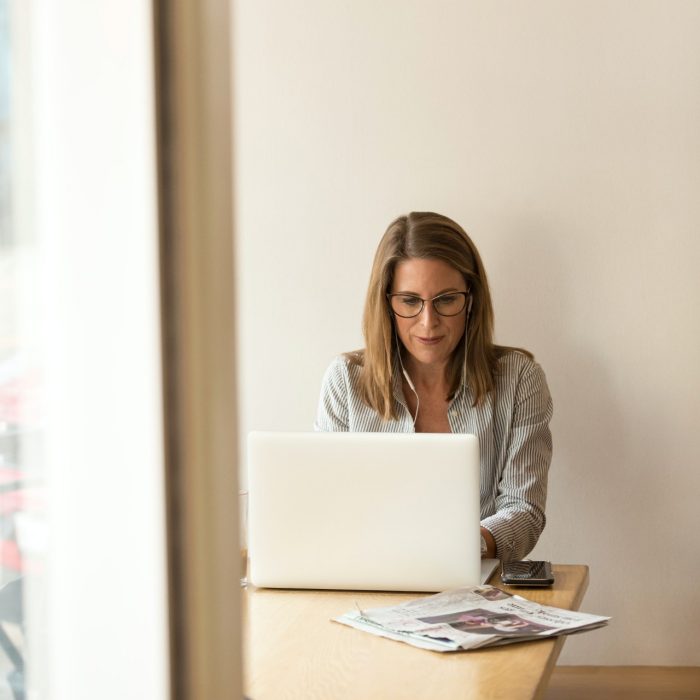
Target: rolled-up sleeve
x,y
522,487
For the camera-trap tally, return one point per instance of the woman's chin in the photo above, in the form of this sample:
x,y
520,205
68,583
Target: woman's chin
x,y
429,355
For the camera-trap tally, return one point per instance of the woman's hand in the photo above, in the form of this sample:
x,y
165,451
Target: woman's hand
x,y
490,544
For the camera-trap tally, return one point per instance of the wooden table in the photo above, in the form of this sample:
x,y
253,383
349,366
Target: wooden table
x,y
293,650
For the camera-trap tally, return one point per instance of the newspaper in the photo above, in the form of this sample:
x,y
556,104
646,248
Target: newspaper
x,y
470,618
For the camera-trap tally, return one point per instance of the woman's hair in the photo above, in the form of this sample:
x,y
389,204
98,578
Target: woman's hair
x,y
428,236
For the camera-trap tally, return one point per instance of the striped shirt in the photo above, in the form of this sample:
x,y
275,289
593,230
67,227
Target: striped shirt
x,y
512,425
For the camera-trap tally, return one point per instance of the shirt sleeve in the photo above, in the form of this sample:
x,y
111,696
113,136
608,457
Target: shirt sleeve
x,y
332,414
522,489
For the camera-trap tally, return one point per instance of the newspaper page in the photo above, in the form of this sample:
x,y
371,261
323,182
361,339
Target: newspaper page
x,y
469,618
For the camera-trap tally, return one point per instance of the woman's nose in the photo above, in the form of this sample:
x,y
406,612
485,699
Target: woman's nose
x,y
428,316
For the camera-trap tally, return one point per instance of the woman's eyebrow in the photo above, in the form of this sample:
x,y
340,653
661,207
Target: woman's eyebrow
x,y
444,291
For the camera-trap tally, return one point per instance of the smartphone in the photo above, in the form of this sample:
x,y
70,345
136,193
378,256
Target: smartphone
x,y
527,573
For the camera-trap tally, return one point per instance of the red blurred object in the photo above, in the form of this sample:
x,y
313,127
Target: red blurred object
x,y
20,421
16,496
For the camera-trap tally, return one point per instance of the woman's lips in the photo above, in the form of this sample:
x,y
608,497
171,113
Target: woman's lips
x,y
430,341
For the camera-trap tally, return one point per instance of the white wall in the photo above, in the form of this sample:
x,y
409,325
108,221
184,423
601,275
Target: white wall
x,y
565,137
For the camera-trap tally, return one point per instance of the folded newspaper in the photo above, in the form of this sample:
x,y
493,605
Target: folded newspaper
x,y
470,618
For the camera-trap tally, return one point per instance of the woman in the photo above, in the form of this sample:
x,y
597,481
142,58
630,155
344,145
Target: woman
x,y
430,365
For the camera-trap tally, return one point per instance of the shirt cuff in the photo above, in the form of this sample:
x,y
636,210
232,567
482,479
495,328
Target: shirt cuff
x,y
503,535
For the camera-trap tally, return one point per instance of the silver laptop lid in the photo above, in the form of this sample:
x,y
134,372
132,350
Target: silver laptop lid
x,y
363,511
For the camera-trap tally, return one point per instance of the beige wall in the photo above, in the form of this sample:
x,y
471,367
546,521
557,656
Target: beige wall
x,y
565,137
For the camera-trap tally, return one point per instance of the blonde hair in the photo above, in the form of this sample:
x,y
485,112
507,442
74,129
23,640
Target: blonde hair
x,y
431,236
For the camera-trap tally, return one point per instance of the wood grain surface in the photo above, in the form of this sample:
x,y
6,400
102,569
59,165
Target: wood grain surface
x,y
292,649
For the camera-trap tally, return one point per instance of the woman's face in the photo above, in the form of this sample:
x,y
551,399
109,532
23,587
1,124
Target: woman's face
x,y
429,338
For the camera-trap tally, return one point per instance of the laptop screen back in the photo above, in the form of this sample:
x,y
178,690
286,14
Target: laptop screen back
x,y
363,511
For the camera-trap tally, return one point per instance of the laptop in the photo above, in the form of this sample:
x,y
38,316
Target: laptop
x,y
364,511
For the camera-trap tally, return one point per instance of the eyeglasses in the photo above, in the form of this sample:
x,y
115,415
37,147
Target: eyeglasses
x,y
410,305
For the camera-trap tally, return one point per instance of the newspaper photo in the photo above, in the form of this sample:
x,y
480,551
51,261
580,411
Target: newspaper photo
x,y
469,618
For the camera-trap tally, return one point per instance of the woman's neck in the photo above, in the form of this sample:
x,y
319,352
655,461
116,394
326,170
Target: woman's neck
x,y
427,378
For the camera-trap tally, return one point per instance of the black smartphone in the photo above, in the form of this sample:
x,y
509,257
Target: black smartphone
x,y
527,573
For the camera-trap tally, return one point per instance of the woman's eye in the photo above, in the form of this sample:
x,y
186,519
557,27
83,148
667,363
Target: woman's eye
x,y
409,301
447,302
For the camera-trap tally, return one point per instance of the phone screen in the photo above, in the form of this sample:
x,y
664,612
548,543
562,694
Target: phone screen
x,y
529,573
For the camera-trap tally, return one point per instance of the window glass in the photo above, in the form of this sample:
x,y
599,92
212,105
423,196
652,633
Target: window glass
x,y
23,532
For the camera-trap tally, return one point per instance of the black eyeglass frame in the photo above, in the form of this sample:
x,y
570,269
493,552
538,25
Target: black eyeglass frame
x,y
465,295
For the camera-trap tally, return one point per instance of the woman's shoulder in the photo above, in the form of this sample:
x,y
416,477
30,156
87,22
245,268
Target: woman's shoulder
x,y
354,358
344,368
514,364
520,379
514,357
